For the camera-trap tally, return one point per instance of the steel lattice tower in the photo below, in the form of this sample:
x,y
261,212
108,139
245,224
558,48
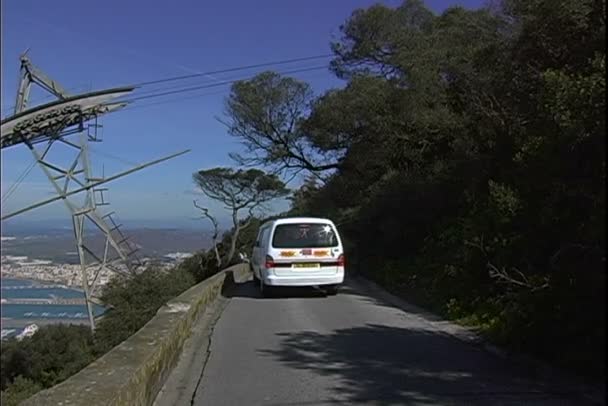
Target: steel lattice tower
x,y
71,120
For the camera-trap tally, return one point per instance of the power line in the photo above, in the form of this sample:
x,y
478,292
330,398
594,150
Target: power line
x,y
172,87
141,106
227,82
153,90
17,182
172,100
238,68
222,83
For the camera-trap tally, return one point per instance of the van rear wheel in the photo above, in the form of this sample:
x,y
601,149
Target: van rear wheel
x,y
331,290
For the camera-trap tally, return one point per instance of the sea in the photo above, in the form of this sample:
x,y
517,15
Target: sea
x,y
15,317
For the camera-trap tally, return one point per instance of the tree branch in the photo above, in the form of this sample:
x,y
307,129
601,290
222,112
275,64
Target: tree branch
x,y
206,214
503,276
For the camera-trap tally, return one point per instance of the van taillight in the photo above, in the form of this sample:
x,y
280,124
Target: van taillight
x,y
269,262
341,260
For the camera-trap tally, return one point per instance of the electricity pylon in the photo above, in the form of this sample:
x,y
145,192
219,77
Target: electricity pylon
x,y
52,124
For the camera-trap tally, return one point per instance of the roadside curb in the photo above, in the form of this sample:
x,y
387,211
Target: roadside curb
x,y
181,387
540,369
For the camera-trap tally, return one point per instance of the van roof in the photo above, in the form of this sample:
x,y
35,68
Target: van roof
x,y
291,220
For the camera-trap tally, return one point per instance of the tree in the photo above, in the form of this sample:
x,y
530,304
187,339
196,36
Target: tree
x,y
377,40
240,190
266,113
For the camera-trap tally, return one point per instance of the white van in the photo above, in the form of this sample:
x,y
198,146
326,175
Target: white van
x,y
298,251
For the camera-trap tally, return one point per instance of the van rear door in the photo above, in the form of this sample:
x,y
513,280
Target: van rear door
x,y
305,248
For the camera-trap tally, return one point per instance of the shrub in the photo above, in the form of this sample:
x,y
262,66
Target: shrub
x,y
133,301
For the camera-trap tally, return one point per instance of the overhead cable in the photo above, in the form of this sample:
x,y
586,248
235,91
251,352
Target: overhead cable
x,y
173,100
207,86
234,69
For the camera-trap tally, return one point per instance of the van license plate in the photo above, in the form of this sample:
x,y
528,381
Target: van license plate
x,y
306,265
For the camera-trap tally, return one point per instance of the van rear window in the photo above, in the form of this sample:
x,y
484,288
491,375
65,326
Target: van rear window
x,y
304,235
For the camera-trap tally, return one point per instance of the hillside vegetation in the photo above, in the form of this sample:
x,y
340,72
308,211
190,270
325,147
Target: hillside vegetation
x,y
463,161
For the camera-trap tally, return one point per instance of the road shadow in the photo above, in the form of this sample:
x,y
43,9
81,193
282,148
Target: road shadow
x,y
379,364
371,293
250,289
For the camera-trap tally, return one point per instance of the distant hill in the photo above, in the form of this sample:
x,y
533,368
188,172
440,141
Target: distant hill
x,y
58,245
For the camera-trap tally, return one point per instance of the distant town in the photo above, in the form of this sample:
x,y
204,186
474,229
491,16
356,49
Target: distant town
x,y
58,246
45,271
21,267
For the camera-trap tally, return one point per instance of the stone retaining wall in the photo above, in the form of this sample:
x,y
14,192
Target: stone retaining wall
x,y
133,372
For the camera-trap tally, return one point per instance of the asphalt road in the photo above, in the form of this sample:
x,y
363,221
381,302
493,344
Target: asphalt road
x,y
305,348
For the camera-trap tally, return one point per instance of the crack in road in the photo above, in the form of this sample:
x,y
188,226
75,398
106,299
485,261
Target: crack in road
x,y
222,305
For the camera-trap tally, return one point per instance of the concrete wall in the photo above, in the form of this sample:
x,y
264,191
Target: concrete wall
x,y
133,372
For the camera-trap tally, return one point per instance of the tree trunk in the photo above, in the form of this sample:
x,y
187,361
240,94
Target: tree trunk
x,y
218,259
235,235
237,229
216,231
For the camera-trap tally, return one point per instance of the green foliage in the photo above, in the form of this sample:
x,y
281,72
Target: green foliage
x,y
50,356
134,300
21,389
240,188
200,266
503,200
300,198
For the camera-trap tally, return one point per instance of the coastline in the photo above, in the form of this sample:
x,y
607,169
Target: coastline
x,y
39,282
42,314
9,323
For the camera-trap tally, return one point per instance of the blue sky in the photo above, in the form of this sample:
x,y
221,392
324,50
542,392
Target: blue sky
x,y
94,45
